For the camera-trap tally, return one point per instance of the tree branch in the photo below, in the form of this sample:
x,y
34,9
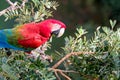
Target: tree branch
x,y
64,75
11,3
69,55
57,76
62,72
13,6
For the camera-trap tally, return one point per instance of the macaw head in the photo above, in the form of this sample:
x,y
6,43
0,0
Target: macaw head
x,y
57,27
52,26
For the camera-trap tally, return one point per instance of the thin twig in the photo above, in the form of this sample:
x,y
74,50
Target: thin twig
x,y
13,6
62,72
69,55
65,71
56,71
23,3
11,3
64,75
57,76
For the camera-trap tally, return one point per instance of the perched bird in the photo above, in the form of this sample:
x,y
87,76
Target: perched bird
x,y
29,36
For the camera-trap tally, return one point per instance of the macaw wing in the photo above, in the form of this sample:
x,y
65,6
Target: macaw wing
x,y
4,43
32,41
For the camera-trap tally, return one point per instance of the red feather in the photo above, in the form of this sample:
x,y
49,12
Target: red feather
x,y
32,35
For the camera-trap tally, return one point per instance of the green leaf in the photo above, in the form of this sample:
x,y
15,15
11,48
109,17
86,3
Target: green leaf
x,y
10,73
113,23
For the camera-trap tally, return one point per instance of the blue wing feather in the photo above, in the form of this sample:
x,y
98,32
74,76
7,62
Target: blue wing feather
x,y
4,43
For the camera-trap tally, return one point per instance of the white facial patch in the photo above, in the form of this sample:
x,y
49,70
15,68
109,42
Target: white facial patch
x,y
56,27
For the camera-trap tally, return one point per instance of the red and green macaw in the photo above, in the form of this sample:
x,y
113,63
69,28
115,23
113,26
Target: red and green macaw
x,y
29,36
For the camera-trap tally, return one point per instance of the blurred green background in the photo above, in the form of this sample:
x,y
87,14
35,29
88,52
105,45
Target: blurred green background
x,y
87,13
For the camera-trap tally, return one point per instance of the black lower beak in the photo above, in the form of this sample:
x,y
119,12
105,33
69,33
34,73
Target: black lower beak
x,y
56,32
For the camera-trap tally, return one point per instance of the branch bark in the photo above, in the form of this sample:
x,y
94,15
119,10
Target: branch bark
x,y
11,3
13,6
68,56
62,72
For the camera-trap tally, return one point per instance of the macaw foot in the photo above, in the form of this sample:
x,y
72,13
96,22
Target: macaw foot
x,y
45,57
38,53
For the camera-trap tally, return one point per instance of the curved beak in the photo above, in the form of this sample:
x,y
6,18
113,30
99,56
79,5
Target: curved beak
x,y
59,32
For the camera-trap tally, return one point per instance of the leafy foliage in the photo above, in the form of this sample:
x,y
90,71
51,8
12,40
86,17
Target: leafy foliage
x,y
104,64
33,11
18,66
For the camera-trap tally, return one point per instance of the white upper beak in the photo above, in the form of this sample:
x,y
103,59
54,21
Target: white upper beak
x,y
61,32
